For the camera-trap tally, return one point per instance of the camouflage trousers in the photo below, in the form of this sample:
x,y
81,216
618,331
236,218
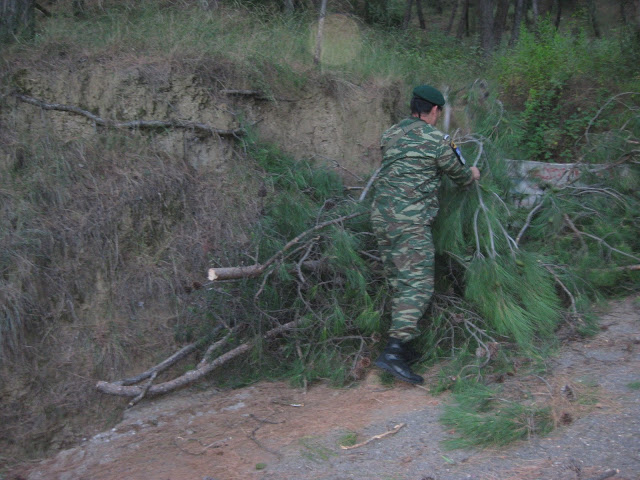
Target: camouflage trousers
x,y
407,252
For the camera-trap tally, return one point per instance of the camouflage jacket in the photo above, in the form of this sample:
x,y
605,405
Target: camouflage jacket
x,y
412,168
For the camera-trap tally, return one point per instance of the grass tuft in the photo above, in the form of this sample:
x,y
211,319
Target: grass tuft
x,y
480,418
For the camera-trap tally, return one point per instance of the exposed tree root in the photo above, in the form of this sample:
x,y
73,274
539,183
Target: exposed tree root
x,y
201,128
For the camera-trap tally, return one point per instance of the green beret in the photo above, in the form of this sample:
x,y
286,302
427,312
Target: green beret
x,y
430,94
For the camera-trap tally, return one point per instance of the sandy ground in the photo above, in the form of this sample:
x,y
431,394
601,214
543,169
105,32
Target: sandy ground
x,y
270,431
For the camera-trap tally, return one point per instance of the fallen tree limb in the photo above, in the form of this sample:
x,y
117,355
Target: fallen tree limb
x,y
189,377
145,389
161,367
234,273
212,348
135,124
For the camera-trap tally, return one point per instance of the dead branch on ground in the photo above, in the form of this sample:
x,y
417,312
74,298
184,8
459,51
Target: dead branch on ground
x,y
161,367
205,447
201,128
127,387
459,318
116,388
252,435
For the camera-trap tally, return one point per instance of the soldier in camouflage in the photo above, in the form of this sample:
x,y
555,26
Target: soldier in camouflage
x,y
405,202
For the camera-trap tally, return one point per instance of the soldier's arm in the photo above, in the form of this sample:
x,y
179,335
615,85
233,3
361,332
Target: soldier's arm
x,y
451,166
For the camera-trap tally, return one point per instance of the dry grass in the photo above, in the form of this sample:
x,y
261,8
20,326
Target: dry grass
x,y
103,240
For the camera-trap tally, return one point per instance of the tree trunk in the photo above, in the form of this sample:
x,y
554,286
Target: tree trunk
x,y
486,25
78,7
535,8
637,16
320,33
463,26
500,20
517,21
558,6
423,25
593,16
453,16
407,15
16,17
376,11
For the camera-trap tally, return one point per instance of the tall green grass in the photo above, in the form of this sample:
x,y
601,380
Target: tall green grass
x,y
257,41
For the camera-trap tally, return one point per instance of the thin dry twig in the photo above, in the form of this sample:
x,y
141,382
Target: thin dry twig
x,y
591,122
575,230
393,431
144,390
252,435
216,444
528,222
369,184
574,310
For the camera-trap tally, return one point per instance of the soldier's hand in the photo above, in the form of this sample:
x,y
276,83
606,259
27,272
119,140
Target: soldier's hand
x,y
475,172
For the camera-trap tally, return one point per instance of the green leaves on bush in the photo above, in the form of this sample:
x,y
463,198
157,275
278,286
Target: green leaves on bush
x,y
556,82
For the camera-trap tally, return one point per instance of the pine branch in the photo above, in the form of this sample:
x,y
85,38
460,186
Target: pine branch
x,y
575,230
234,273
528,222
600,110
613,249
574,310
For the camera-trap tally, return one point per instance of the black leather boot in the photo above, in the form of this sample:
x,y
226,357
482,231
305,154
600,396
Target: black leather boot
x,y
393,359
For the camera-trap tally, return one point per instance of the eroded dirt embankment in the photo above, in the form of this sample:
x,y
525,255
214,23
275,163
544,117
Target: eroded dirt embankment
x,y
331,120
108,236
